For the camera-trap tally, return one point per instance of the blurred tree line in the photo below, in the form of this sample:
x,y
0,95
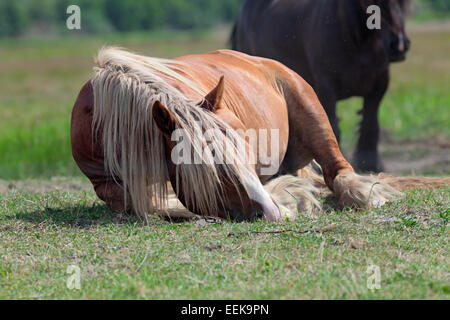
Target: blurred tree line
x,y
19,16
443,5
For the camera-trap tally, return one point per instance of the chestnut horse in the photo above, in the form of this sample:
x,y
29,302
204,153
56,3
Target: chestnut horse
x,y
126,117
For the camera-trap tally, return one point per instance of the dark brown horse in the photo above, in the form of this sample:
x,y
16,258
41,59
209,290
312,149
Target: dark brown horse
x,y
127,118
330,45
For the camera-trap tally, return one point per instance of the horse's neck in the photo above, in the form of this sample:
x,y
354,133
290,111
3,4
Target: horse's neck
x,y
351,15
188,92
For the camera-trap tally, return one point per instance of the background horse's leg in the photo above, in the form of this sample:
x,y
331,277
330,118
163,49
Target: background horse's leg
x,y
366,156
327,98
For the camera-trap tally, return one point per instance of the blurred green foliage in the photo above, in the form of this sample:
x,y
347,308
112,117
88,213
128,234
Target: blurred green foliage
x,y
19,16
443,5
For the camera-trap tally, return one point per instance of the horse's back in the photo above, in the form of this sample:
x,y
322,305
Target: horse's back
x,y
251,88
303,38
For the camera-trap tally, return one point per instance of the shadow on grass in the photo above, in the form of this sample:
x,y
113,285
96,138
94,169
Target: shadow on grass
x,y
85,217
82,217
89,216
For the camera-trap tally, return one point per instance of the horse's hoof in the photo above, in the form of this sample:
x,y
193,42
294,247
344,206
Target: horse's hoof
x,y
363,192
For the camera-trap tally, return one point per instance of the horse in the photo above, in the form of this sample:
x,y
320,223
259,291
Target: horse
x,y
329,43
129,116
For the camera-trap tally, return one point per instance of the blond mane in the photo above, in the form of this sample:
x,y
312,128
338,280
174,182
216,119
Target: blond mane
x,y
126,86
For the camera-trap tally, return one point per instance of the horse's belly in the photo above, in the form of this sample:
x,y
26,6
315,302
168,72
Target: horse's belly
x,y
272,131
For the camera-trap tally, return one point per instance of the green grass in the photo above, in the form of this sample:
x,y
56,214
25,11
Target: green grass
x,y
41,235
44,232
431,15
42,77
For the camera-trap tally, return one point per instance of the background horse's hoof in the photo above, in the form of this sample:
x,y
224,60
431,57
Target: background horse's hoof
x,y
367,162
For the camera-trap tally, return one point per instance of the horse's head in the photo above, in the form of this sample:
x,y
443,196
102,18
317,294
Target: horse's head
x,y
205,165
392,34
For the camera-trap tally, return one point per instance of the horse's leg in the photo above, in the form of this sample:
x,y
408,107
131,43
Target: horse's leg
x,y
311,137
327,98
366,156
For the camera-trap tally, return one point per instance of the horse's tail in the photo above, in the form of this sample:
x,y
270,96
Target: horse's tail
x,y
233,37
407,183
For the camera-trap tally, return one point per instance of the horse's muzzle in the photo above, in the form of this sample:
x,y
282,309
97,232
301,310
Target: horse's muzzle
x,y
267,211
271,211
399,48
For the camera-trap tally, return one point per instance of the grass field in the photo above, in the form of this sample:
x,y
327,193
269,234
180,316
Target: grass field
x,y
41,235
48,224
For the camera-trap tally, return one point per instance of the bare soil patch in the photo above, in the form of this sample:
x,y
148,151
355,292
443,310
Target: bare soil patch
x,y
416,157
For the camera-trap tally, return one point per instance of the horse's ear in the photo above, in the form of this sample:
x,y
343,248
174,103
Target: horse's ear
x,y
164,119
213,99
